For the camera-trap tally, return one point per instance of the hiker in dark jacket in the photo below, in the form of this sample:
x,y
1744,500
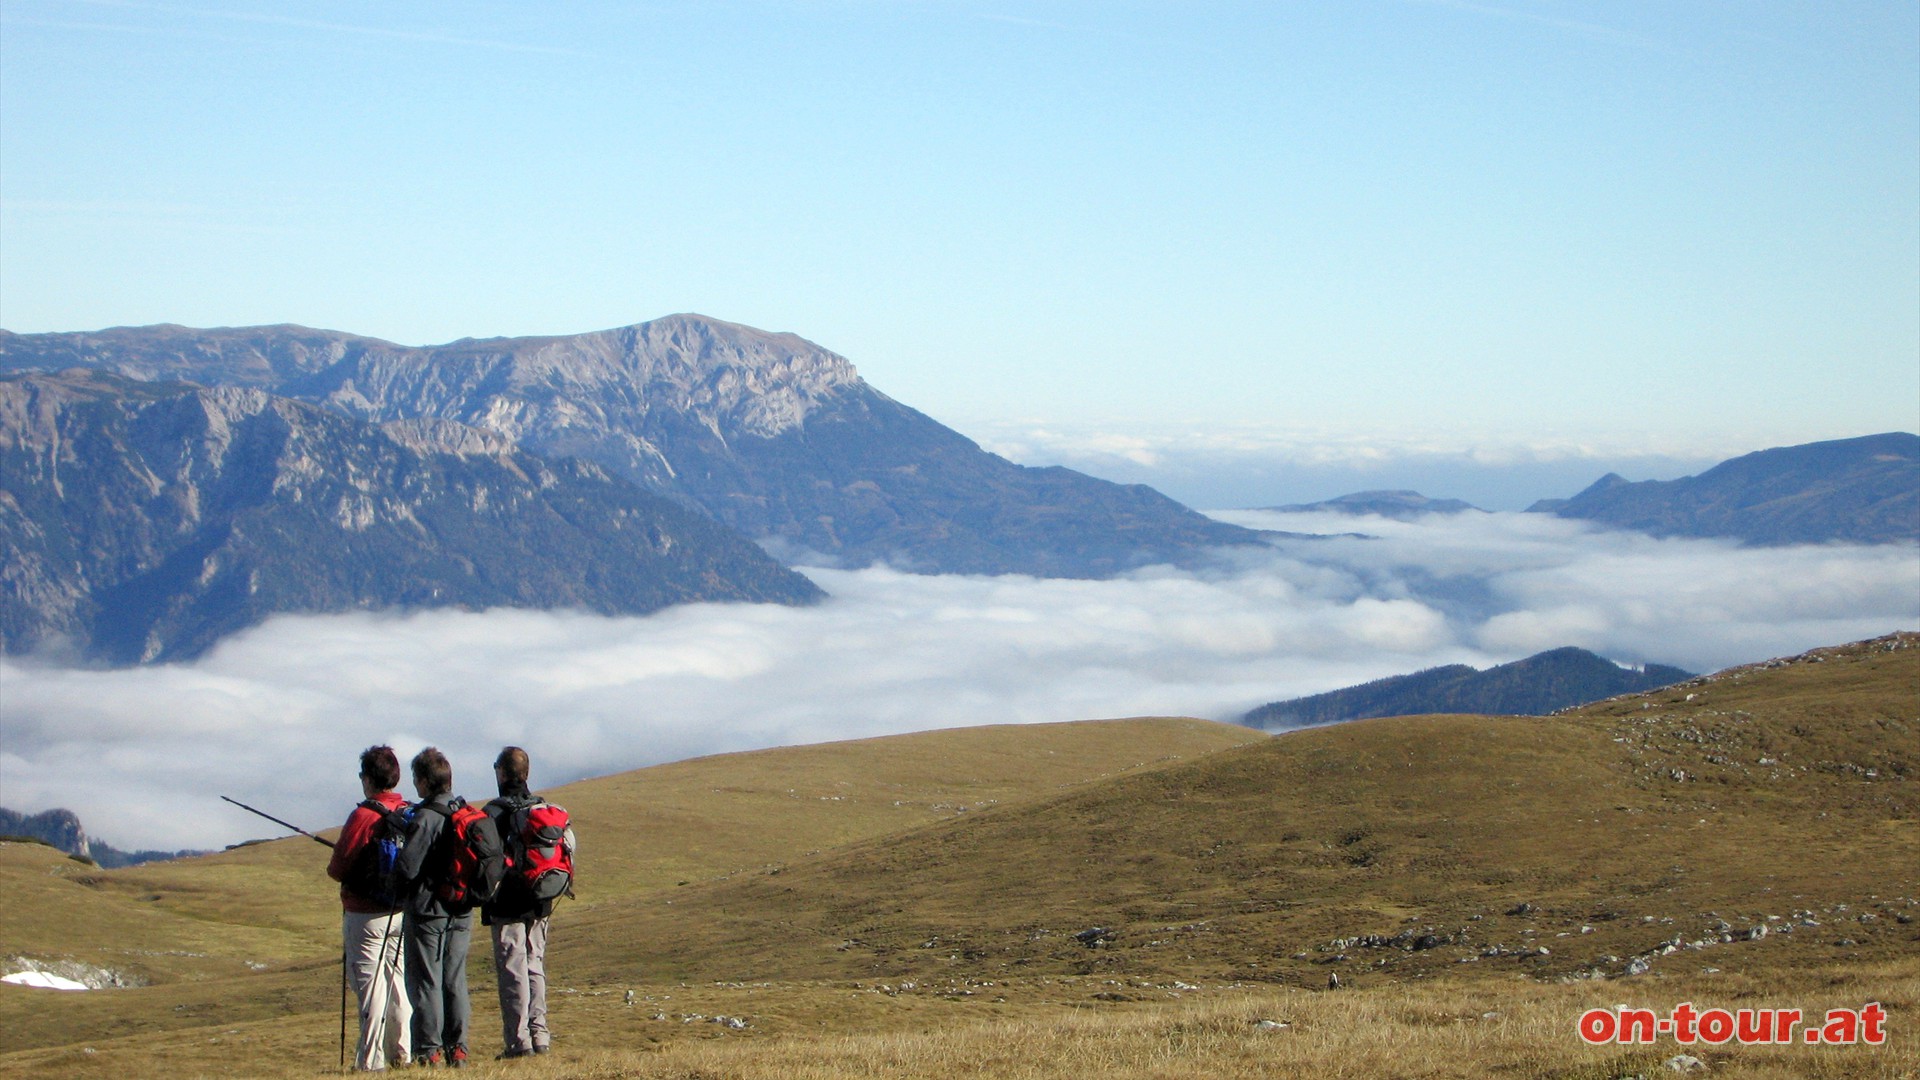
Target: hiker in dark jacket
x,y
519,925
437,931
370,929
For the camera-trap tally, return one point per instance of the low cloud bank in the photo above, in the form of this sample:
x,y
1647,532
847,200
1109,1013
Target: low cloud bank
x,y
276,716
1224,466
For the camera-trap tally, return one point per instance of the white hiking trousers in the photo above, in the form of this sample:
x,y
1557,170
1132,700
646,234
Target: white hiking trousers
x,y
376,960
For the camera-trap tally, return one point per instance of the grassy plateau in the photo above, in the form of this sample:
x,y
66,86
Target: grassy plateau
x,y
1153,898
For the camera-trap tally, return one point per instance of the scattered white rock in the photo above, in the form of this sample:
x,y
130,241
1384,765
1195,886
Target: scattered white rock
x,y
1686,1063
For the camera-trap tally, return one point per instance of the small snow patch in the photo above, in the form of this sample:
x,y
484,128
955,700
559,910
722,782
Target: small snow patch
x,y
42,980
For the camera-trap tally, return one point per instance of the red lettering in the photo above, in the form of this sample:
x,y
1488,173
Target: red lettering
x,y
1683,1018
1843,1027
1597,1026
1874,1016
1716,1026
1752,1027
1756,1026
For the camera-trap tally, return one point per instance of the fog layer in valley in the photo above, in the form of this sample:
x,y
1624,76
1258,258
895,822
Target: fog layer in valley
x,y
275,716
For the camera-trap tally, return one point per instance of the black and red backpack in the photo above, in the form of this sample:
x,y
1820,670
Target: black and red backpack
x,y
539,855
476,860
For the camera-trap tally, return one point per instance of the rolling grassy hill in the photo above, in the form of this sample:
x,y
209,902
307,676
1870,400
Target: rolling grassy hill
x,y
1129,903
1747,798
253,932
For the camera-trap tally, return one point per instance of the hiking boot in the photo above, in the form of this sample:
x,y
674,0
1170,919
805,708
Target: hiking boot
x,y
505,1054
541,1049
427,1060
457,1057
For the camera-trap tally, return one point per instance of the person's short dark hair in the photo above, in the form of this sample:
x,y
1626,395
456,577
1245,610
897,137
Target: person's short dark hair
x,y
433,772
513,765
382,766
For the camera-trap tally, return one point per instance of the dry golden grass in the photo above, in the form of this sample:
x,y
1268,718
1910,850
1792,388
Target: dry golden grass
x,y
694,820
841,901
1420,1029
254,931
1234,865
1407,1030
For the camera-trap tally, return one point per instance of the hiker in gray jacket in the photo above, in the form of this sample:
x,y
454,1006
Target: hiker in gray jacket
x,y
437,931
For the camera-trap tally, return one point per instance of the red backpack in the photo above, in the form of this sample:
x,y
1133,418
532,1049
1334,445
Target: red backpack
x,y
477,863
539,846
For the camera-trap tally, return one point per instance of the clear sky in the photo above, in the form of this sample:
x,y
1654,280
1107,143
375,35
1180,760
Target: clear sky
x,y
1659,228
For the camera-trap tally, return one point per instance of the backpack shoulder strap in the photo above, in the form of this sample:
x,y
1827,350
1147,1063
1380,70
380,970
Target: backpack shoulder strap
x,y
443,811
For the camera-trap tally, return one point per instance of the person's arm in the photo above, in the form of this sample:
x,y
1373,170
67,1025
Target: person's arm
x,y
353,836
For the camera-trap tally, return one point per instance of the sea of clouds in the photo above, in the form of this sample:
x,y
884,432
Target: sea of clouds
x,y
276,716
1223,465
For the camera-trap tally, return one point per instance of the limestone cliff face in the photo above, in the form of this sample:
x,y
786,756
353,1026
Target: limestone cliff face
x,y
142,521
60,828
765,432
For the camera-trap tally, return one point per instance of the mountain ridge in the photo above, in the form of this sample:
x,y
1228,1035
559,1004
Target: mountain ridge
x,y
1399,504
1542,683
766,432
145,521
1861,490
61,829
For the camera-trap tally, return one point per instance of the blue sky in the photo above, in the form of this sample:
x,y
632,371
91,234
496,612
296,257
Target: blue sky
x,y
1529,231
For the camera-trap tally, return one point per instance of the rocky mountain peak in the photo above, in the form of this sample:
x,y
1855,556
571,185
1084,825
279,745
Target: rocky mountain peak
x,y
767,432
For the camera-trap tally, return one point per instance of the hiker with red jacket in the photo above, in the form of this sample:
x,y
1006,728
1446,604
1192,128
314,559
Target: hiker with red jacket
x,y
438,929
517,916
372,922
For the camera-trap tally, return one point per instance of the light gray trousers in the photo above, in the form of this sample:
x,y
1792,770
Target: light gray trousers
x,y
520,961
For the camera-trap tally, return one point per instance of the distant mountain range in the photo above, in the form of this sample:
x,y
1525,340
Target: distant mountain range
x,y
143,521
767,433
1864,491
1398,505
61,829
1538,685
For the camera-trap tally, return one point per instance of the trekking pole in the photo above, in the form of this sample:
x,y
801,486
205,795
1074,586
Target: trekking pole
x,y
399,957
277,821
343,1008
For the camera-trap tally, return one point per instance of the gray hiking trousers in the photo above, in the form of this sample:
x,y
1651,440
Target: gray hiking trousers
x,y
520,961
437,981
